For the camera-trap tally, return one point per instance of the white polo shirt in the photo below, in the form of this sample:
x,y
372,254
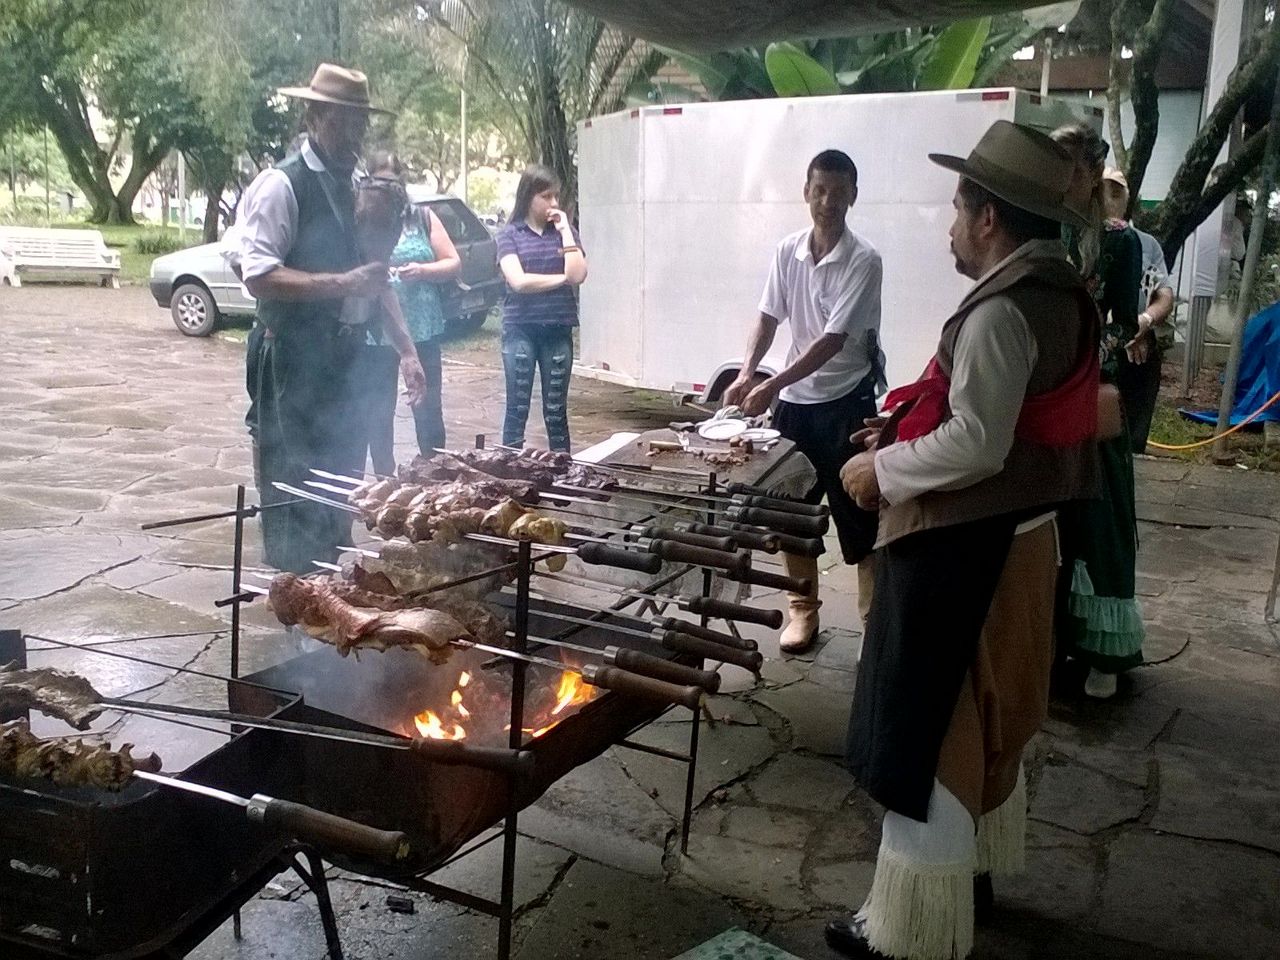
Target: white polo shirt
x,y
839,295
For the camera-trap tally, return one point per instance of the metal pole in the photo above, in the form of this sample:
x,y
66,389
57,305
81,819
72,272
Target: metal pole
x,y
1261,208
519,643
48,220
462,180
1044,66
182,197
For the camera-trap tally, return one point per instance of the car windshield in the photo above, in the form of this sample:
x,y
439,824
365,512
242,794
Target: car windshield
x,y
461,223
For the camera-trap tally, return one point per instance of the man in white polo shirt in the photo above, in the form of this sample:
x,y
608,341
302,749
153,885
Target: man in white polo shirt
x,y
824,282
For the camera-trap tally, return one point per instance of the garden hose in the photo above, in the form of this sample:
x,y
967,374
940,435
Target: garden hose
x,y
1226,433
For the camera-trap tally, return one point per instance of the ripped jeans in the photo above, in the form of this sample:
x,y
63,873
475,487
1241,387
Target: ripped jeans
x,y
551,349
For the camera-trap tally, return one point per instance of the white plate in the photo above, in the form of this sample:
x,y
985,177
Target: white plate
x,y
759,434
721,429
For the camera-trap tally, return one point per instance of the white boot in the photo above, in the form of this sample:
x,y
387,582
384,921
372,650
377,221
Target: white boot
x,y
802,628
1099,685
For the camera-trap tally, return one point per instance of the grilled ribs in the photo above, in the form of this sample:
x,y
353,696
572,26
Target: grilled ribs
x,y
54,693
323,613
25,756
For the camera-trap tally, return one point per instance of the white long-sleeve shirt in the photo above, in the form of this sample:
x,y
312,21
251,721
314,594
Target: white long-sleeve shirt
x,y
995,354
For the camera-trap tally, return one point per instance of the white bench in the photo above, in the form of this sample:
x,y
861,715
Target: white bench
x,y
56,254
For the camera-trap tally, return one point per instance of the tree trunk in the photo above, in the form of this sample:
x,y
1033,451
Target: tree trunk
x,y
1197,187
212,207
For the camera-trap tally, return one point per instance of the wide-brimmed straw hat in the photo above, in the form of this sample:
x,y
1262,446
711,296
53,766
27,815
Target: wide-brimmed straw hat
x,y
1021,166
337,85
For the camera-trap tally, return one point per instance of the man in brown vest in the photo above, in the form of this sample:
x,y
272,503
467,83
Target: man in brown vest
x,y
967,471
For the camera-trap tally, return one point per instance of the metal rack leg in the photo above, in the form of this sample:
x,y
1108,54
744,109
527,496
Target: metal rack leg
x,y
695,724
313,876
237,562
509,836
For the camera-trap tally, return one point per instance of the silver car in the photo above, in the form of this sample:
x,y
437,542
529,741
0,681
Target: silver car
x,y
199,288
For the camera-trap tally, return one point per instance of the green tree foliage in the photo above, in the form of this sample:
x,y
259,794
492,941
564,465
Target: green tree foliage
x,y
80,67
543,65
963,54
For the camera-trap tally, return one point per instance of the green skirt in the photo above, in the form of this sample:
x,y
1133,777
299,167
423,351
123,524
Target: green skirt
x,y
1099,620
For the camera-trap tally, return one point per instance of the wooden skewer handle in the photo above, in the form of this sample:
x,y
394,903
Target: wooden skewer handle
x,y
716,559
786,506
779,521
611,678
683,643
457,753
753,538
601,554
646,664
735,611
706,633
678,535
335,833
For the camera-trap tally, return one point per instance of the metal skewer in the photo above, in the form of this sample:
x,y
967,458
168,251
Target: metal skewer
x,y
712,607
637,661
606,677
642,663
297,820
621,678
646,532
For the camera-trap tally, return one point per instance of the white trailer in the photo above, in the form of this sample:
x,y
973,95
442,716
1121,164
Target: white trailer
x,y
682,206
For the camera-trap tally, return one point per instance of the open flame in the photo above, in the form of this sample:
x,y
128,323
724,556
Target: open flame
x,y
451,722
430,725
573,690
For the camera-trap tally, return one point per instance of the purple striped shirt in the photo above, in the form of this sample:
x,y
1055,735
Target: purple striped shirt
x,y
538,253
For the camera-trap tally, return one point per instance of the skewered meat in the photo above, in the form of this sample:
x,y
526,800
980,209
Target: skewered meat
x,y
500,518
54,693
366,589
539,529
543,468
69,763
318,609
422,566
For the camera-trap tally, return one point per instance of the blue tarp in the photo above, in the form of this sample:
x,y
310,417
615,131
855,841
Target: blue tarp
x,y
1259,371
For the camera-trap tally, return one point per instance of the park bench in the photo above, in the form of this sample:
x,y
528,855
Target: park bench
x,y
56,254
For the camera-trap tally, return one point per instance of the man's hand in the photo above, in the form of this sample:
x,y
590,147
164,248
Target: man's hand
x,y
415,380
366,280
869,436
736,392
556,217
858,477
760,398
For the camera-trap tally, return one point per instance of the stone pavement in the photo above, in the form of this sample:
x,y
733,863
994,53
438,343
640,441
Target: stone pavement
x,y
1155,823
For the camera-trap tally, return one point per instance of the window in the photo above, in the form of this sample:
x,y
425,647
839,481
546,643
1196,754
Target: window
x,y
460,223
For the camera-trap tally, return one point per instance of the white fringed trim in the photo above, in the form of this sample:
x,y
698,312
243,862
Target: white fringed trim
x,y
919,911
1002,833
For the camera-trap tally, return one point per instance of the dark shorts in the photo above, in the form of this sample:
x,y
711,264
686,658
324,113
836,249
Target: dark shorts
x,y
821,432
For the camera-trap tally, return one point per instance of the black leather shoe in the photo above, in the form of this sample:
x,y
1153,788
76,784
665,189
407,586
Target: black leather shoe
x,y
850,938
984,899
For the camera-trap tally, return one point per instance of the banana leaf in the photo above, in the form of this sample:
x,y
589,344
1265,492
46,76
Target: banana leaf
x,y
796,74
954,59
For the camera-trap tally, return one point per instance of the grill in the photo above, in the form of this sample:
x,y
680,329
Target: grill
x,y
149,872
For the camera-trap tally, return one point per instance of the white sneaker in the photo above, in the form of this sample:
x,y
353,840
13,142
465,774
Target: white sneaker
x,y
1100,686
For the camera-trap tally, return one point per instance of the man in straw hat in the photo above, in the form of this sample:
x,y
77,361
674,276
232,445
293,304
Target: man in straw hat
x,y
967,469
296,250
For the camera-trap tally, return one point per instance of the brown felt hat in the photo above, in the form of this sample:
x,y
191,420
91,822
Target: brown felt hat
x,y
337,85
1021,166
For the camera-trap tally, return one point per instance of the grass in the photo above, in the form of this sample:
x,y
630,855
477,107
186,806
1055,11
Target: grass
x,y
1248,446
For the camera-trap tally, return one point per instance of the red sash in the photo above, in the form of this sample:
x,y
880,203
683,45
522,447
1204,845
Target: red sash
x,y
1063,417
